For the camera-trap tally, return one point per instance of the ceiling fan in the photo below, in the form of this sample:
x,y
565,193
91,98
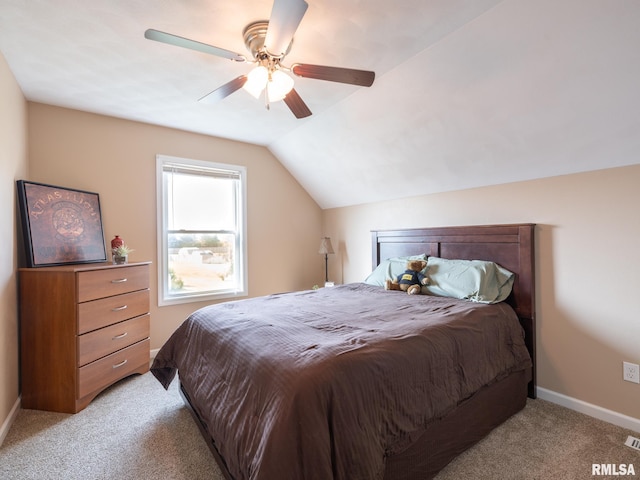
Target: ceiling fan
x,y
269,42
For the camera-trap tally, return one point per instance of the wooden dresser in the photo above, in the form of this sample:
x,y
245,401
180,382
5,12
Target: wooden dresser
x,y
82,328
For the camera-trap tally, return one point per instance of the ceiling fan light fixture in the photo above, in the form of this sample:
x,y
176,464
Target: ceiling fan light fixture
x,y
256,81
277,83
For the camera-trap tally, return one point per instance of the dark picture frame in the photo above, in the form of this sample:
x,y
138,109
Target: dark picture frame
x,y
60,225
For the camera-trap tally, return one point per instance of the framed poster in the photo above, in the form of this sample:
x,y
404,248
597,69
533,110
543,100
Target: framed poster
x,y
60,225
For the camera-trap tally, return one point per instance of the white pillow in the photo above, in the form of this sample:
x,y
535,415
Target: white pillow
x,y
390,268
476,280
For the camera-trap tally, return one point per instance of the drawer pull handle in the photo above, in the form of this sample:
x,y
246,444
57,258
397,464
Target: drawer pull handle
x,y
117,309
118,365
120,280
122,335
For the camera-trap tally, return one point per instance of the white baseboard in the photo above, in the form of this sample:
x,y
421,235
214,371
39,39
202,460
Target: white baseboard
x,y
594,411
6,425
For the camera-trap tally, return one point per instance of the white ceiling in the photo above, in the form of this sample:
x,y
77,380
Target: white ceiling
x,y
468,92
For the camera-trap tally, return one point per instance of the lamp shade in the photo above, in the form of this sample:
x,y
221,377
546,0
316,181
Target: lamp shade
x,y
325,246
279,85
256,81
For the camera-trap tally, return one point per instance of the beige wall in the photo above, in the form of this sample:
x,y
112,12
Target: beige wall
x,y
116,158
13,166
588,253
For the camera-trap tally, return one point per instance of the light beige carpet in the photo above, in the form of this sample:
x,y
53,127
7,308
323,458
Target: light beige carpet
x,y
137,430
133,430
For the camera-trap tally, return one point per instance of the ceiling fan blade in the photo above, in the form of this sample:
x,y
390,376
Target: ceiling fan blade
x,y
286,15
363,78
171,39
225,90
297,105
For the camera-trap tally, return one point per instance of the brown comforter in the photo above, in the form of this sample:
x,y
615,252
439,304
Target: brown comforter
x,y
325,384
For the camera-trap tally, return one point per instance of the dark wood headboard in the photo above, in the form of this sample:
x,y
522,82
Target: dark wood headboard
x,y
510,246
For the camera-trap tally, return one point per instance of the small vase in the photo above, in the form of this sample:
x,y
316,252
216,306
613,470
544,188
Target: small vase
x,y
116,242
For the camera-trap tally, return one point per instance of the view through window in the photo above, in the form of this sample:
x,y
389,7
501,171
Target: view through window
x,y
201,244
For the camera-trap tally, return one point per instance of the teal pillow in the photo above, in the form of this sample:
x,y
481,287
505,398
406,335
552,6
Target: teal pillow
x,y
476,280
390,268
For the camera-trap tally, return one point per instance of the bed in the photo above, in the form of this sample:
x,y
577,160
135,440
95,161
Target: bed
x,y
356,382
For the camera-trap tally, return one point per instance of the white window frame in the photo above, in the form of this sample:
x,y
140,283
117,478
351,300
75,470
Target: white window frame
x,y
164,296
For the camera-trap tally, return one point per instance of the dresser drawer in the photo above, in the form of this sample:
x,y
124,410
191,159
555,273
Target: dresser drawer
x,y
99,343
106,311
103,372
107,282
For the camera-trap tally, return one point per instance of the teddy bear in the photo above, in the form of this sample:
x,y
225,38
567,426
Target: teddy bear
x,y
411,280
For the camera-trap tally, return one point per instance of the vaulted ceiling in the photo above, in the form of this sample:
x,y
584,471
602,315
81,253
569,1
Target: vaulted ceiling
x,y
467,93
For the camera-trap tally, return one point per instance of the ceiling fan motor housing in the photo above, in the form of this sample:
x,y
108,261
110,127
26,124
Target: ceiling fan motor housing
x,y
254,35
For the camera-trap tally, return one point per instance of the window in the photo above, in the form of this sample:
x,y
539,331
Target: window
x,y
201,234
